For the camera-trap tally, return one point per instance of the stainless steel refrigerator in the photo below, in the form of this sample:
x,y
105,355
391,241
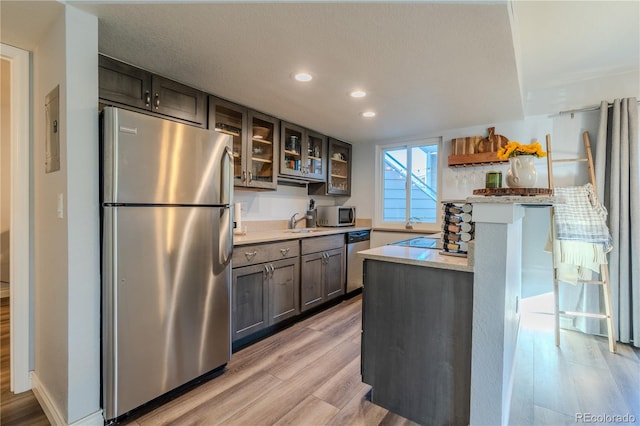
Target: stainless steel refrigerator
x,y
166,251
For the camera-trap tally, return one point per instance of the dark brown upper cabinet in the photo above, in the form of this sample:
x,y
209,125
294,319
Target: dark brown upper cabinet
x,y
255,142
124,84
303,153
338,181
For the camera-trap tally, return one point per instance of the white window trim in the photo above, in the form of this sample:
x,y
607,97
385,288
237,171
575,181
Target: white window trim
x,y
378,221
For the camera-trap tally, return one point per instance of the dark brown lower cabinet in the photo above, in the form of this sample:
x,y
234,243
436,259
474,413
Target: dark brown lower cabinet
x,y
416,341
284,288
322,277
263,295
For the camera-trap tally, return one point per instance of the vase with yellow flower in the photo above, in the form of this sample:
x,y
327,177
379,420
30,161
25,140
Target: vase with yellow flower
x,y
522,172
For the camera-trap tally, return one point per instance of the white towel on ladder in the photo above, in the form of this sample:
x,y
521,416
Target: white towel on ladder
x,y
582,238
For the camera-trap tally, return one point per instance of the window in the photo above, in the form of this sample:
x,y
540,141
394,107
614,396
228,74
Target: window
x,y
408,182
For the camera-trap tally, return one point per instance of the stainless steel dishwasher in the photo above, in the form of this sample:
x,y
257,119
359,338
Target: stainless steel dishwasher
x,y
356,241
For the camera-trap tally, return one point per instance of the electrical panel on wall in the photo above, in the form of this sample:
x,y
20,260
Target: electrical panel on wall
x,y
52,133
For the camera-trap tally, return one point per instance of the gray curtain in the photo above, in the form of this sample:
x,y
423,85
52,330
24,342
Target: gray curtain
x,y
617,163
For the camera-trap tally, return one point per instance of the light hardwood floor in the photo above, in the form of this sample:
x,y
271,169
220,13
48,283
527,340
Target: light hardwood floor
x,y
309,374
555,385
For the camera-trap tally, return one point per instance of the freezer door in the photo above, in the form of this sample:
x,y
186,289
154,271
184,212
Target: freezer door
x,y
148,160
166,303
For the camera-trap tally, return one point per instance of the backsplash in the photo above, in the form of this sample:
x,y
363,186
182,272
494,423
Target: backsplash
x,y
277,205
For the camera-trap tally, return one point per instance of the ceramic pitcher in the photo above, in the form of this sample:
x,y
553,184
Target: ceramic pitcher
x,y
522,172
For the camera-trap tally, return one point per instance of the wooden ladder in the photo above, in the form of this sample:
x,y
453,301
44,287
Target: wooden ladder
x,y
604,268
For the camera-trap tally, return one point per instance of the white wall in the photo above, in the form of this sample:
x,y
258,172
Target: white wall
x,y
280,204
83,214
66,253
50,233
566,138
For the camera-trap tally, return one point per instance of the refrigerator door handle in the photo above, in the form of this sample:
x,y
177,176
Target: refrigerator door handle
x,y
226,180
226,220
226,236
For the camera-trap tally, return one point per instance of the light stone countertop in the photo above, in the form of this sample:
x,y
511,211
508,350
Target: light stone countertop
x,y
420,257
272,235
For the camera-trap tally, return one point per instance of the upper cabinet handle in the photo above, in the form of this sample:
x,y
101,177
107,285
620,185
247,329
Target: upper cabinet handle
x,y
157,101
147,98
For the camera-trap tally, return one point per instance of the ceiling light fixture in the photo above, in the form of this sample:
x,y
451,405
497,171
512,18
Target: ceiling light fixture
x,y
303,77
368,114
358,94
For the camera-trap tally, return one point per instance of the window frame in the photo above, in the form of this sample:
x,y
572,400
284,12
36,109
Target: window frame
x,y
418,227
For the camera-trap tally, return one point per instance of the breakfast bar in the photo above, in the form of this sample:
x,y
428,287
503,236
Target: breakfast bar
x,y
444,353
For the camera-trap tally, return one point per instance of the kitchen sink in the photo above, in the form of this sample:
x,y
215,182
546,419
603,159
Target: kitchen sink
x,y
302,231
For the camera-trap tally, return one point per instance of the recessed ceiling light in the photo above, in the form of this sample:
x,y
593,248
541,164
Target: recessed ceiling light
x,y
368,114
358,94
303,76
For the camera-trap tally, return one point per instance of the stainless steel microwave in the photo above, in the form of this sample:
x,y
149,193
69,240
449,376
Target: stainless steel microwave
x,y
336,216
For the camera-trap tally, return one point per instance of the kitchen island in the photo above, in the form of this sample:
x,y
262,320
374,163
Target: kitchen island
x,y
416,341
494,266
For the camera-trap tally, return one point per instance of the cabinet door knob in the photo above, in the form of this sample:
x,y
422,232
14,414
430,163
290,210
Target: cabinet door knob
x,y
284,251
157,101
250,254
147,98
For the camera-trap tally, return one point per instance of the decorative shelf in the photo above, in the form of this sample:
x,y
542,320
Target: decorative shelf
x,y
513,191
480,159
292,153
339,176
338,160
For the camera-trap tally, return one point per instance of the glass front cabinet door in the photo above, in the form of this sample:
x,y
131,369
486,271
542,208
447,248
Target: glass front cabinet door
x,y
231,119
315,163
255,140
302,153
339,173
262,158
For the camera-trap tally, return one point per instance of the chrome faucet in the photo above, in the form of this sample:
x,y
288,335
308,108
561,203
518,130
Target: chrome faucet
x,y
293,221
409,224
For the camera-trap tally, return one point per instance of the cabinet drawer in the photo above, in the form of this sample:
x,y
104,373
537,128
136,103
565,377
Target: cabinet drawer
x,y
314,245
260,253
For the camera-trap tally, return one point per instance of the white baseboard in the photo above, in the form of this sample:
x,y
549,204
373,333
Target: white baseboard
x,y
48,406
94,419
54,415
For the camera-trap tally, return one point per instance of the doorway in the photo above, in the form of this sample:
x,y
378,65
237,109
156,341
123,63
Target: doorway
x,y
19,212
5,176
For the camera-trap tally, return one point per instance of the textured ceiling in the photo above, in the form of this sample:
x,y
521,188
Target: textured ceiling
x,y
576,53
427,66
